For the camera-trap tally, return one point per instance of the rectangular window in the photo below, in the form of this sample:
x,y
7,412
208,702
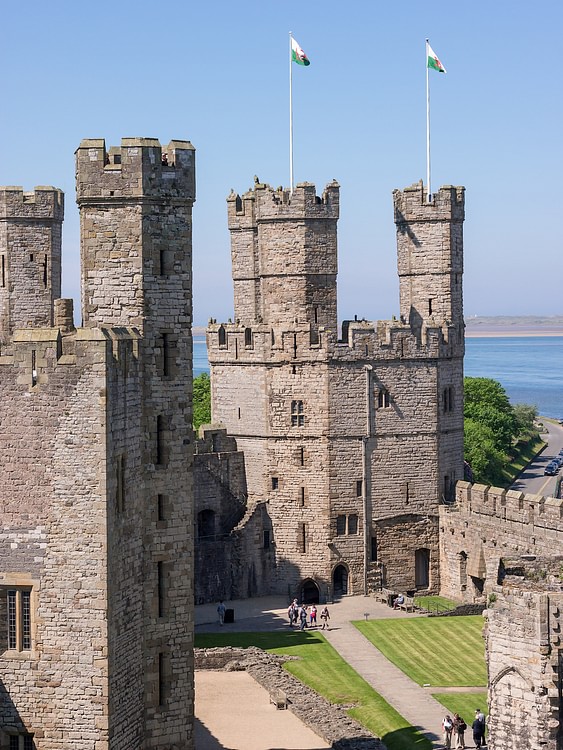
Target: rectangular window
x,y
120,481
275,483
161,595
383,399
359,487
160,508
266,539
297,415
162,682
352,524
33,367
373,550
3,270
18,605
165,355
340,525
448,399
302,456
302,497
302,541
159,447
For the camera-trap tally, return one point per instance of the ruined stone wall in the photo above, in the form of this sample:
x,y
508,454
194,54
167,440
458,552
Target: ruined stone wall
x,y
523,647
487,523
30,257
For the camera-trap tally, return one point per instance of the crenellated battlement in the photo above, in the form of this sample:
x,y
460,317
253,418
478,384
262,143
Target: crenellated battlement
x,y
509,505
44,203
139,167
264,204
411,205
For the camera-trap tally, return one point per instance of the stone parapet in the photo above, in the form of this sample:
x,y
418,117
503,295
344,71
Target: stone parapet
x,y
411,205
43,203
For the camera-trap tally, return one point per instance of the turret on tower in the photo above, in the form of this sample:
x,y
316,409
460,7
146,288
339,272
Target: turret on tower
x,y
284,257
430,256
30,257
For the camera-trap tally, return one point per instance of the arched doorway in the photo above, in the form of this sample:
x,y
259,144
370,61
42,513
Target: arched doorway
x,y
422,568
309,592
340,581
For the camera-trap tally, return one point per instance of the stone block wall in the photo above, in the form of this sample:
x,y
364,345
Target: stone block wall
x,y
523,640
486,524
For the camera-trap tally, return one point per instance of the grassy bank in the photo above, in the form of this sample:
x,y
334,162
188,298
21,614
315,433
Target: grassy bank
x,y
522,454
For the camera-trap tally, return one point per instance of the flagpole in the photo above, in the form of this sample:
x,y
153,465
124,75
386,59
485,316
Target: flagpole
x,y
428,191
290,119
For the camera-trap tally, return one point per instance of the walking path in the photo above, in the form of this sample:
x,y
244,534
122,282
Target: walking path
x,y
412,701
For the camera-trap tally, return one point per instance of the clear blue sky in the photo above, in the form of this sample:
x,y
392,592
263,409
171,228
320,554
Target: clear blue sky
x,y
216,73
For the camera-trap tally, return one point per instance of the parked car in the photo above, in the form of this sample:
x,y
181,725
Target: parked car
x,y
551,469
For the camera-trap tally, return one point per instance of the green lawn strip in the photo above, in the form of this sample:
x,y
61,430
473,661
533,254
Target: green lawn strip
x,y
463,704
435,603
447,651
323,669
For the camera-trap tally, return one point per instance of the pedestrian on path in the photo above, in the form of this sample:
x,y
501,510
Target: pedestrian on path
x,y
292,613
303,616
325,617
221,609
313,615
447,727
459,729
478,728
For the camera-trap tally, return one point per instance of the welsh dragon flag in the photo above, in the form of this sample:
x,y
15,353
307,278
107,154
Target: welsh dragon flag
x,y
297,54
433,61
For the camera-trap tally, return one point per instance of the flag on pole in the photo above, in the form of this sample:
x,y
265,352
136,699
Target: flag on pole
x,y
297,54
433,61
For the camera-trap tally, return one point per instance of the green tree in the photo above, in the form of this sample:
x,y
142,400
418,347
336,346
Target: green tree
x,y
526,416
201,400
486,402
482,453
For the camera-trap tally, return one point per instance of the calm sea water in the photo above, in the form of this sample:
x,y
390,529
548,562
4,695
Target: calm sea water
x,y
529,368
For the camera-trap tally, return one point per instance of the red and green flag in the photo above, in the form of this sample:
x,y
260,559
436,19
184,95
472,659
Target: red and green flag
x,y
433,61
297,54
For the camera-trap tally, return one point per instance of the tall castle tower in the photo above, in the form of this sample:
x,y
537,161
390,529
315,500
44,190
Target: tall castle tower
x,y
353,442
136,232
30,261
96,507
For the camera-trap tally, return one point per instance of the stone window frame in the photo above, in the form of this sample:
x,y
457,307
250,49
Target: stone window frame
x,y
383,399
275,483
19,741
448,399
21,630
297,413
347,524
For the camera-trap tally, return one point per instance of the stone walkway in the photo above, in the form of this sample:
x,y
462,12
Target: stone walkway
x,y
413,702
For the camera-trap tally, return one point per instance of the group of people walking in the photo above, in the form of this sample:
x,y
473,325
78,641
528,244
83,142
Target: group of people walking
x,y
454,729
299,614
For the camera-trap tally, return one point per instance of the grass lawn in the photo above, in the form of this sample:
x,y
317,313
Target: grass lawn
x,y
435,603
447,651
321,667
463,704
522,454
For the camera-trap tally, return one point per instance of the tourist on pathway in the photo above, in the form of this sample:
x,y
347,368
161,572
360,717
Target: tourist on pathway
x,y
313,615
221,609
325,617
478,728
447,726
459,728
303,616
398,601
292,613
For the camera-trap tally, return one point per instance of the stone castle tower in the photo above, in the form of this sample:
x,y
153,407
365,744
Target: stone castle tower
x,y
95,459
354,441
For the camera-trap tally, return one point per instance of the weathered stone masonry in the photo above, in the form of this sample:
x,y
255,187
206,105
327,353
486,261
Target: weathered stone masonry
x,y
95,459
353,442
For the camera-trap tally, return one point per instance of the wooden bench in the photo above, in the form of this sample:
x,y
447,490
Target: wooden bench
x,y
408,604
279,699
385,596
